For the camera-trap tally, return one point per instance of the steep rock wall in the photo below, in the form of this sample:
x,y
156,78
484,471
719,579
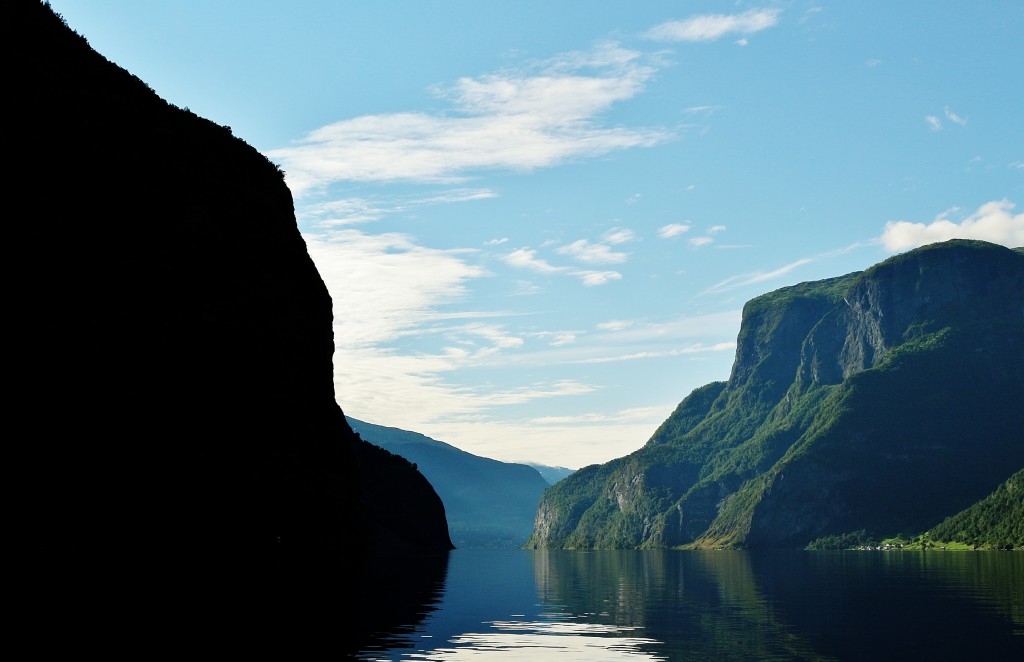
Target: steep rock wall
x,y
173,340
883,400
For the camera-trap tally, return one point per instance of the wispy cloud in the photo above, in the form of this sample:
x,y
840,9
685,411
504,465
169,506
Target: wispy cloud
x,y
593,278
671,330
752,278
709,27
633,414
526,258
385,286
617,236
954,118
993,221
672,230
615,325
934,122
508,120
584,251
357,210
696,348
556,338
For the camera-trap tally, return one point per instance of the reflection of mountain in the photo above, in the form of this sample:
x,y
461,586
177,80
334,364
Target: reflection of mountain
x,y
762,631
393,596
884,400
793,605
991,579
696,605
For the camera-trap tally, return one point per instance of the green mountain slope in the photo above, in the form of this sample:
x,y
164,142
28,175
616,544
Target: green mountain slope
x,y
488,503
883,400
997,521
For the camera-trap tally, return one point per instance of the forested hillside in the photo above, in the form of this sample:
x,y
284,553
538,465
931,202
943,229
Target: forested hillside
x,y
996,521
882,401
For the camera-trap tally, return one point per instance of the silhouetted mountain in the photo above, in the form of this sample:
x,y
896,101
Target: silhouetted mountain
x,y
882,401
173,402
488,503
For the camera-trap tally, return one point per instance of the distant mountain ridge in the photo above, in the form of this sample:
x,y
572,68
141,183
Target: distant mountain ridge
x,y
884,400
550,473
488,503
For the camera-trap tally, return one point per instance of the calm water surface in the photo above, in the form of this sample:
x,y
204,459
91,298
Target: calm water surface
x,y
696,605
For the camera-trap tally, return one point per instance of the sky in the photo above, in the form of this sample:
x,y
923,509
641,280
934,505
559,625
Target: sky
x,y
539,221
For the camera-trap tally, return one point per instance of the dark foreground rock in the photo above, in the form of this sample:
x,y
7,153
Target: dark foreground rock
x,y
171,386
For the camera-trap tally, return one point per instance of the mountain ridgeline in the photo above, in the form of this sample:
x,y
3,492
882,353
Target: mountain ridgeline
x,y
488,504
885,401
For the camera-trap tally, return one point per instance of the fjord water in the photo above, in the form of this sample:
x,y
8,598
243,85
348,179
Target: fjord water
x,y
598,606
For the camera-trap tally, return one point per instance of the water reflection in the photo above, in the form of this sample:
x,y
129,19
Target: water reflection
x,y
710,605
539,640
698,605
394,596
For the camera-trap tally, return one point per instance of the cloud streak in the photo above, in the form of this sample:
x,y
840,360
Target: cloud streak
x,y
506,121
755,277
710,27
357,210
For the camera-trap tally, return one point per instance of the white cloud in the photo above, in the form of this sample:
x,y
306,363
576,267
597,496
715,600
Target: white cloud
x,y
525,258
585,251
715,229
672,230
511,121
615,325
619,236
592,278
495,337
496,242
698,242
953,117
993,222
709,27
557,338
933,122
384,286
742,42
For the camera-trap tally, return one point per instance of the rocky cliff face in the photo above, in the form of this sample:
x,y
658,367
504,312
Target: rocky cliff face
x,y
884,400
172,378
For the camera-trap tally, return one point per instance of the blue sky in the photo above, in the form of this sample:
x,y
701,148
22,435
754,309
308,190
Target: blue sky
x,y
539,221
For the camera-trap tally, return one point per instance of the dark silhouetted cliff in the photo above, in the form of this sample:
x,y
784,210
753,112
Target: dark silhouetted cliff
x,y
172,391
